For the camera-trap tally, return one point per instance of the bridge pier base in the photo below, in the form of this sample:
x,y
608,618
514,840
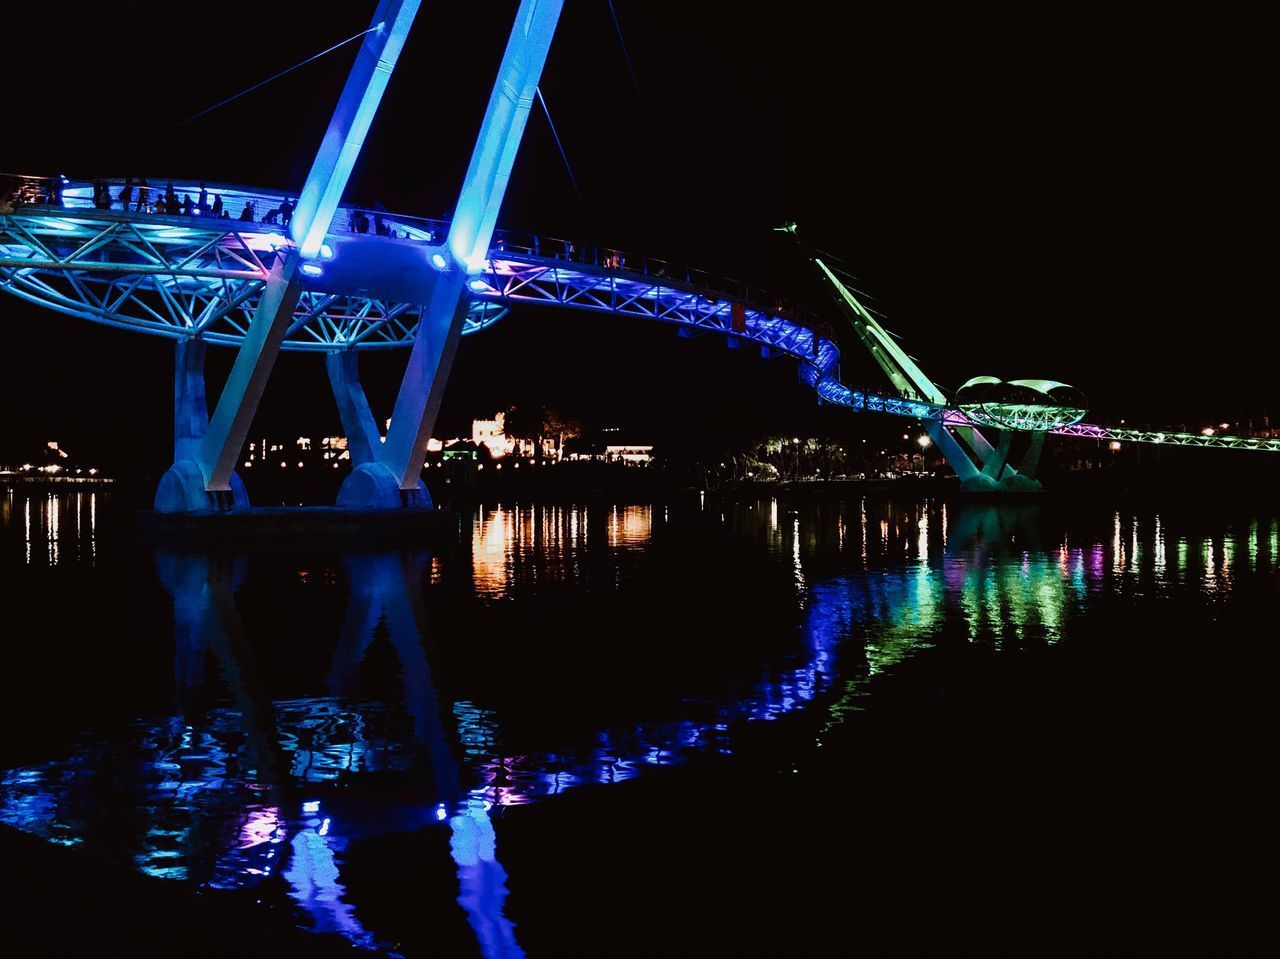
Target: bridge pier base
x,y
372,483
992,472
184,486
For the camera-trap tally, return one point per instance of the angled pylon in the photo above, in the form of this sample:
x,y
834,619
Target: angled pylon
x,y
197,483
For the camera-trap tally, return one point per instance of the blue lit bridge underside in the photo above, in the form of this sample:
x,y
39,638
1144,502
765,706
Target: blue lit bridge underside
x,y
189,277
185,277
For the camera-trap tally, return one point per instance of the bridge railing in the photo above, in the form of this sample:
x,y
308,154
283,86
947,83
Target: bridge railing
x,y
264,205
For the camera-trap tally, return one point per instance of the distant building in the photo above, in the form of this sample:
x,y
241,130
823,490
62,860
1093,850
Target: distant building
x,y
631,454
493,434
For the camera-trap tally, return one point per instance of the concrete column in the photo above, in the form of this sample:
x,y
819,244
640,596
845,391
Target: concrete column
x,y
957,458
190,409
364,439
183,487
994,466
470,231
238,403
425,377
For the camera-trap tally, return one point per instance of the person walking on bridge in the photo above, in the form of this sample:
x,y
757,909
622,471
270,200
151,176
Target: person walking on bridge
x,y
144,196
126,193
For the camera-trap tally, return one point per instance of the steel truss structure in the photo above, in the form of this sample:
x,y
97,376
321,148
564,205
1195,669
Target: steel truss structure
x,y
1213,441
187,277
184,277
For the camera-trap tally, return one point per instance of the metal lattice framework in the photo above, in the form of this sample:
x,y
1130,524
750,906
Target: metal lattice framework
x,y
186,276
1213,441
182,276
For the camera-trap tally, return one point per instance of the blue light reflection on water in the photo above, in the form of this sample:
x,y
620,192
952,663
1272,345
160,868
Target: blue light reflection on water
x,y
216,795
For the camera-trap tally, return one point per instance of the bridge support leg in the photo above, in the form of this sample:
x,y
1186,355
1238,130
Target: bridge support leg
x,y
474,218
182,489
422,388
372,484
993,469
994,466
1031,461
238,403
970,476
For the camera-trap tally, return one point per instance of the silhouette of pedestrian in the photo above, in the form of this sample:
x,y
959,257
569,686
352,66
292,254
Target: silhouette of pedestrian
x,y
217,205
126,193
144,195
286,212
247,213
188,205
204,200
170,199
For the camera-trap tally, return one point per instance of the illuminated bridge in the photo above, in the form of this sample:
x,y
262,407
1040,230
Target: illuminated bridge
x,y
262,271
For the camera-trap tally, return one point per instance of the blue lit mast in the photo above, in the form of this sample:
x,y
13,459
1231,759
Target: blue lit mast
x,y
205,455
472,227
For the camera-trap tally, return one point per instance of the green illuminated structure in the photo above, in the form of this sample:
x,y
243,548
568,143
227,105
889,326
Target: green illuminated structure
x,y
993,432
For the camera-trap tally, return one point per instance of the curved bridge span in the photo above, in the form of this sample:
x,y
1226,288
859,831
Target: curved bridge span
x,y
186,276
254,270
198,276
201,277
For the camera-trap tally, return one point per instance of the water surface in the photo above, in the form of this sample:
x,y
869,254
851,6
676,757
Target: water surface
x,y
266,724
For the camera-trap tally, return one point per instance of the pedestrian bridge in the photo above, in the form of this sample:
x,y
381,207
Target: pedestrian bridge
x,y
183,276
187,276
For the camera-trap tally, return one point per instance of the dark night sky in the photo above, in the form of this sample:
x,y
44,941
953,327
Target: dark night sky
x,y
1060,190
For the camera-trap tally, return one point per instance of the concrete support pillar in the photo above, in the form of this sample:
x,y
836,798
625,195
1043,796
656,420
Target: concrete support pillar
x,y
970,476
372,483
364,439
1031,462
183,488
430,361
190,408
238,403
470,231
994,466
977,442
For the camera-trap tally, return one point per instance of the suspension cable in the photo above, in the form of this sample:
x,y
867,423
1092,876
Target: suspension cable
x,y
263,83
563,155
625,53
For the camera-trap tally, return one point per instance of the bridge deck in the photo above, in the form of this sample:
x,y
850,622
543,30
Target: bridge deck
x,y
182,276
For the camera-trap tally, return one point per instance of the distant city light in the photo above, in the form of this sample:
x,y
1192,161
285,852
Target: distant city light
x,y
923,440
1114,444
1207,431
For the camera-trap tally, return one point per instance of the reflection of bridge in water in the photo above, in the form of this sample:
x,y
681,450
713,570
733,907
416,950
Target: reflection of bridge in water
x,y
257,789
323,284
